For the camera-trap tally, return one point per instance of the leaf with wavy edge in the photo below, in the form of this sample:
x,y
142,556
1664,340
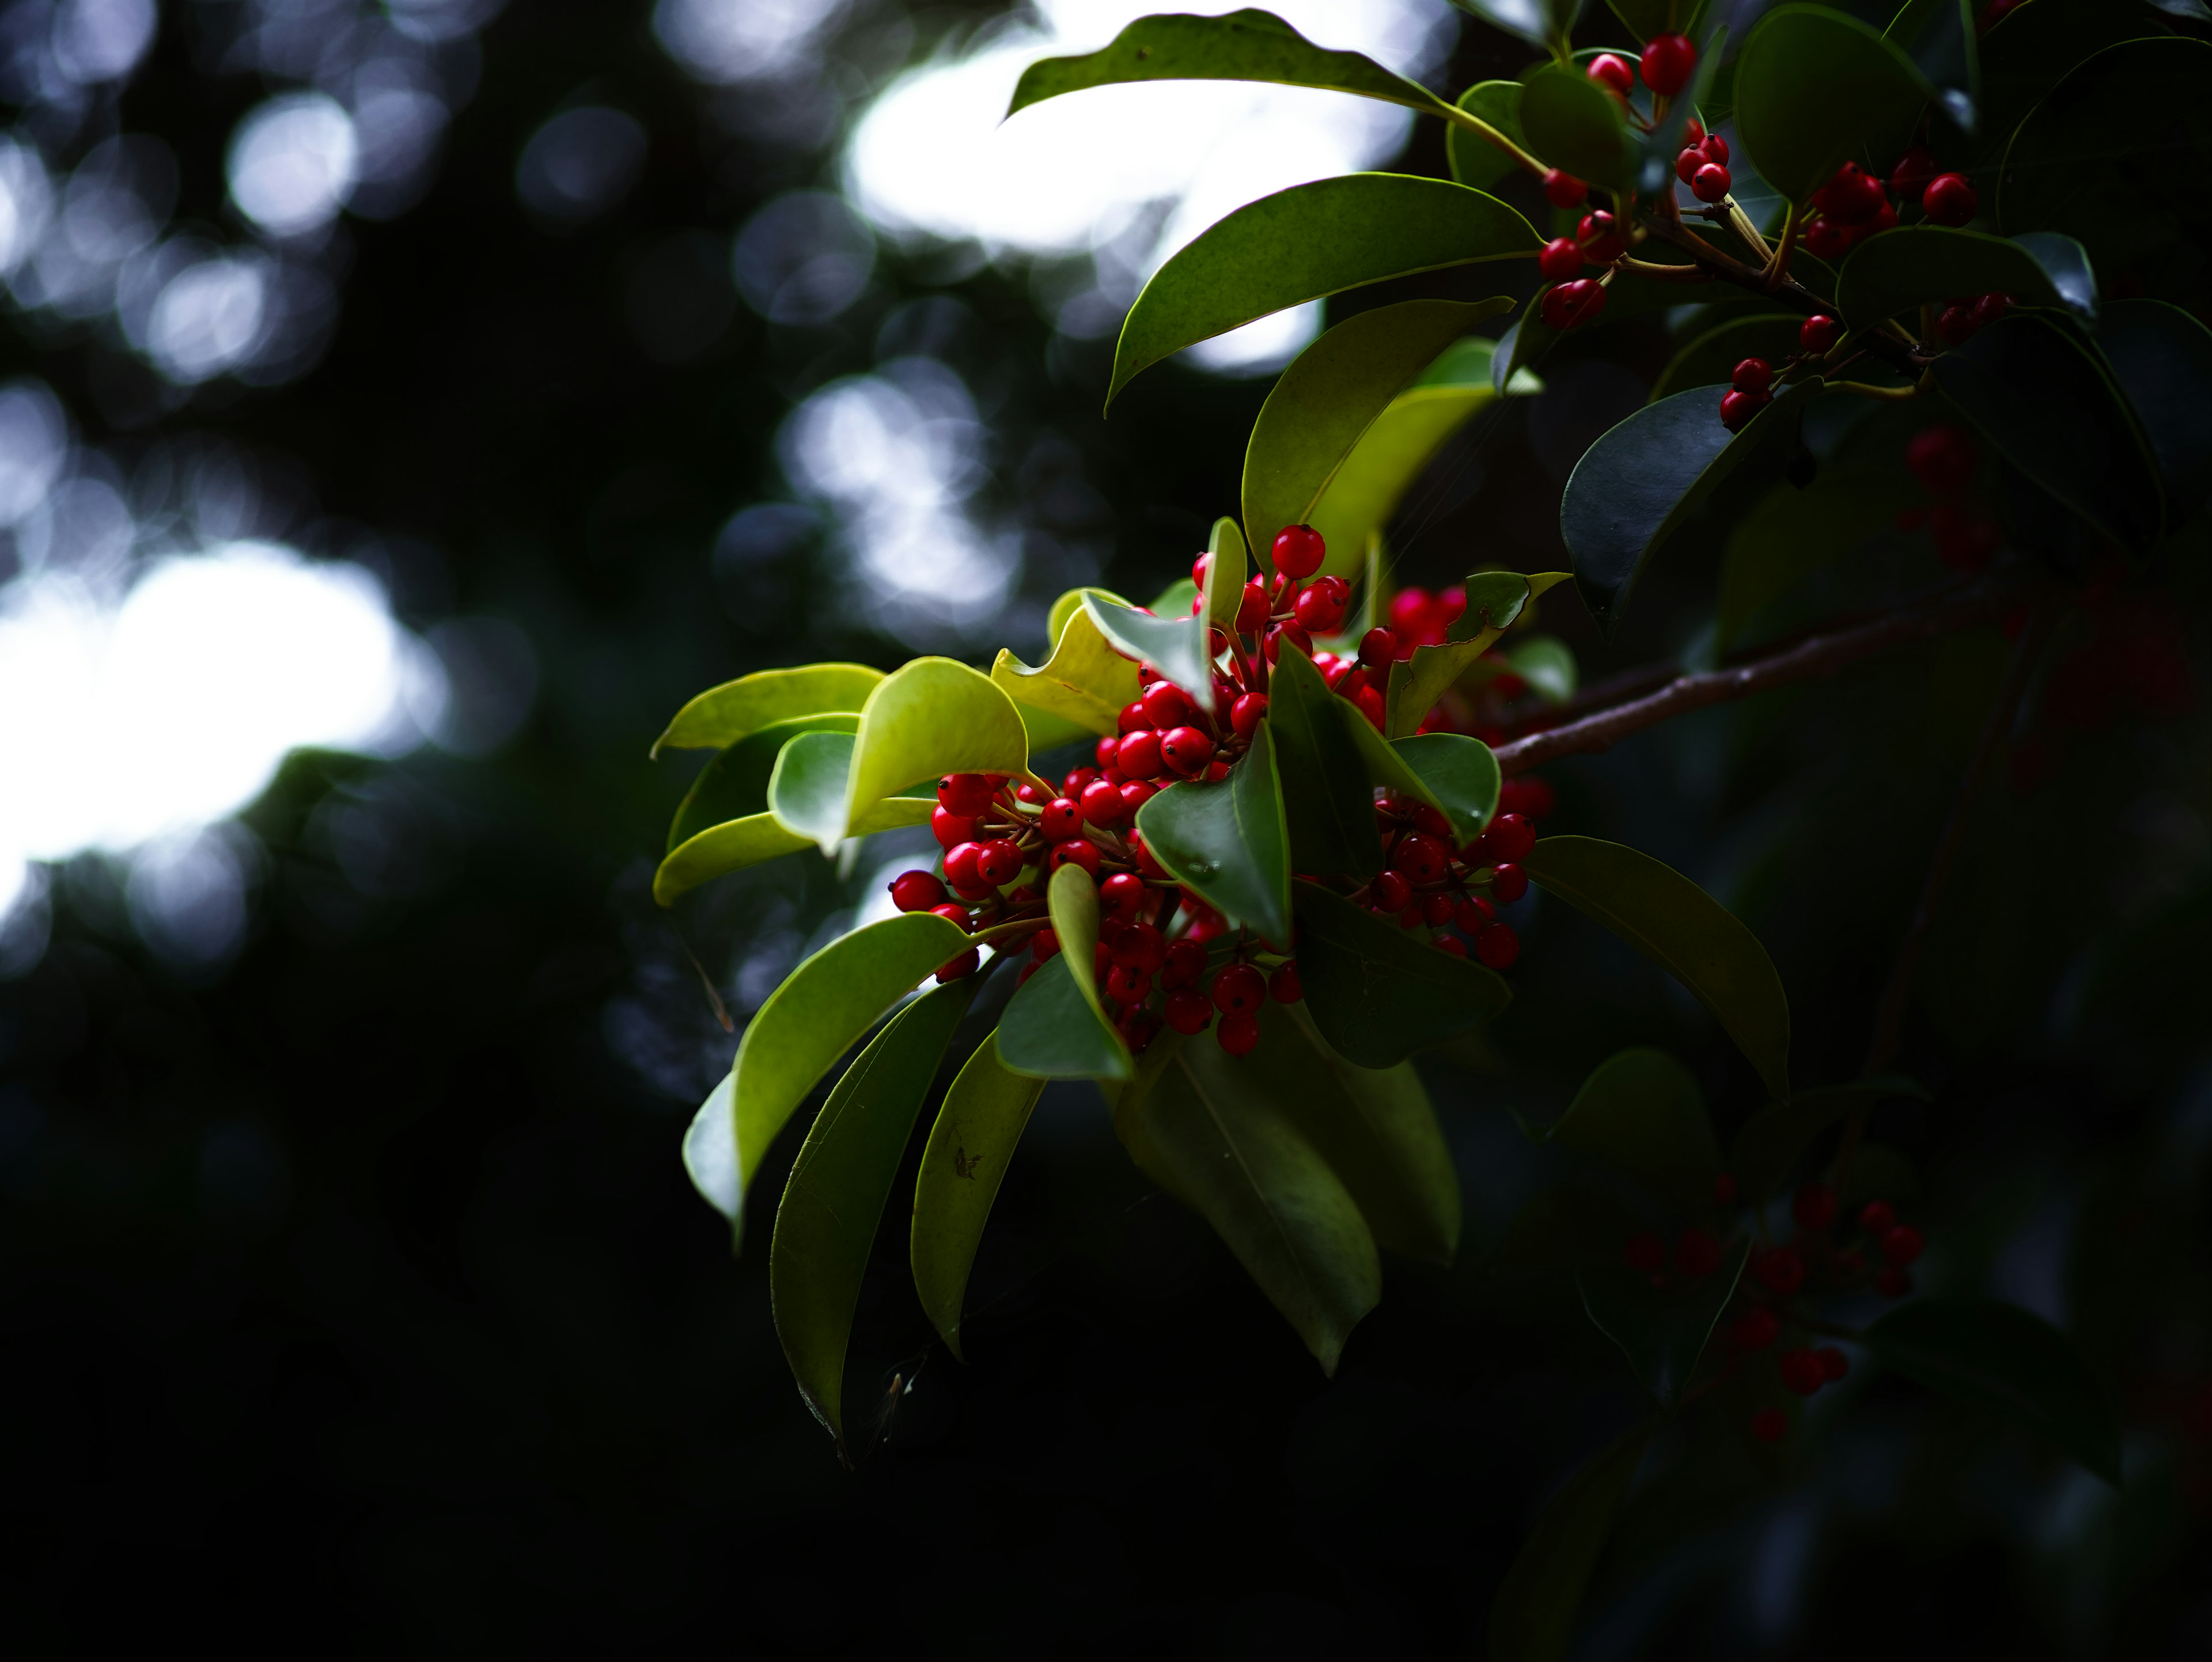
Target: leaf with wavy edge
x,y
1495,601
971,1145
723,715
1085,681
1460,776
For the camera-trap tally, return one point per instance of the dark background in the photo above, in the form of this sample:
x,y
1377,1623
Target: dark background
x,y
354,1294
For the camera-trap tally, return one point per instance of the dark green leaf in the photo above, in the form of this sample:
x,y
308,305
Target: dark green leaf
x,y
1462,776
1328,803
1379,993
2033,47
1641,485
1813,87
1072,897
1175,646
1266,1191
1773,1139
1573,123
1879,1172
734,785
1224,840
1642,1113
1889,275
1684,930
1646,18
1473,160
726,714
1662,1330
1331,395
1569,1224
1494,600
1941,37
2033,386
1998,1355
834,1201
1792,532
1540,22
1712,356
1546,663
1050,1030
1307,241
1533,1618
971,1145
2161,357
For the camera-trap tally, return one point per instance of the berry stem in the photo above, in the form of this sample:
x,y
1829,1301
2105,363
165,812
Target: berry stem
x,y
1778,270
1868,390
1739,222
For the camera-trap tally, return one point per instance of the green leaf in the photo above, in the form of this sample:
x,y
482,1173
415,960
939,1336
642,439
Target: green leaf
x,y
969,1149
2033,387
1495,600
1712,356
1813,88
1175,646
1628,296
1662,1331
1792,532
821,1010
726,714
1540,22
1331,394
1997,1356
1533,1618
1460,774
1328,802
1685,931
1646,18
1226,570
1662,145
734,785
1269,1195
2034,48
1243,46
1050,1030
806,793
722,849
1084,682
931,717
1072,897
834,1201
1309,241
1573,123
1940,37
1640,486
1642,1113
1890,274
2161,357
1224,840
1475,161
1546,663
1566,1225
1379,993
1773,1139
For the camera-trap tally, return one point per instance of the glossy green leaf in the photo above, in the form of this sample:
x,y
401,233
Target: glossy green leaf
x,y
1940,37
2032,49
721,849
1539,22
1813,87
1328,802
1640,486
1125,1100
1663,1330
2161,357
1267,1192
822,1007
1684,930
2033,386
1462,776
1569,1224
1791,532
1495,600
1546,663
1712,357
1225,840
1521,347
1309,241
1573,123
931,717
1175,646
971,1145
726,714
1997,1356
1050,1030
1331,394
1533,1616
1072,897
1379,993
1642,1113
834,1201
1646,18
1228,566
1773,1139
734,785
1084,682
1891,274
806,793
1473,160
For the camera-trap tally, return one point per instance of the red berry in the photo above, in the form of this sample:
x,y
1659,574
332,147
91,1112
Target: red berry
x,y
1711,183
1612,73
1237,1034
1756,1329
1852,197
1802,1372
1994,14
1283,986
1893,1283
1695,1252
1563,190
1071,787
1450,944
1815,1207
951,828
1139,946
1436,910
1834,1363
1076,851
1319,610
1378,647
1252,608
1645,1253
1239,989
965,794
999,861
1508,883
1825,239
1123,895
965,965
1127,986
1473,914
1694,131
1714,149
1390,892
1949,199
1877,1217
1188,1011
1510,837
1061,819
1572,304
1667,63
917,892
1299,551
1955,325
1246,713
1138,755
1909,177
952,912
1410,918
1497,947
1295,633
1102,804
1965,540
1990,307
1943,458
1902,1245
960,866
1751,376
1769,1425
1819,334
1136,793
1421,859
1737,409
1688,163
1045,943
1166,705
1600,234
1529,796
1140,1028
1724,1190
1562,259
1185,962
1778,1269
1186,750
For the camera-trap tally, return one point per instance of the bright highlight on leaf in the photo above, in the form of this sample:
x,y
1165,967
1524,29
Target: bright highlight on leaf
x,y
727,713
933,717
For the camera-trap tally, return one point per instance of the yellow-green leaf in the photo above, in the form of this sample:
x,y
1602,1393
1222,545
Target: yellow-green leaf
x,y
1224,573
728,847
1085,681
933,717
971,1145
726,714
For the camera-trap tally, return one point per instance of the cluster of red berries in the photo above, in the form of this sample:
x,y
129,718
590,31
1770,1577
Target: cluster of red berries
x,y
1944,459
1428,883
1668,63
1598,240
1702,163
1751,387
1856,204
1962,319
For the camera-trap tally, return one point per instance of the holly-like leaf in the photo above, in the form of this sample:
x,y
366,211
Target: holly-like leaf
x,y
1533,1618
2035,388
1085,681
971,1145
1175,646
1473,160
1267,1192
722,849
1573,123
806,793
1997,1356
1712,356
1462,777
1328,802
1641,485
1050,1030
1773,1139
1495,600
1331,394
822,1009
1309,241
931,717
2161,357
726,714
1662,1331
1891,273
734,785
1225,840
1642,1112
1813,88
834,1201
1379,993
1072,897
1684,930
1792,532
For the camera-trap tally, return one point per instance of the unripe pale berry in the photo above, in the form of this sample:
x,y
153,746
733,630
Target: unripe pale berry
x,y
1061,819
1239,989
1711,183
1390,891
1246,713
997,862
1238,1034
1645,1253
1138,755
1562,259
1299,551
1668,63
1815,1207
1949,199
1612,72
1076,851
1819,334
1753,375
1695,1252
1563,190
1497,948
917,892
1283,986
1508,883
1186,750
1187,1011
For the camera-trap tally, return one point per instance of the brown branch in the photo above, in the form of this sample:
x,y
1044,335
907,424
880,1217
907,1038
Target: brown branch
x,y
1816,656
